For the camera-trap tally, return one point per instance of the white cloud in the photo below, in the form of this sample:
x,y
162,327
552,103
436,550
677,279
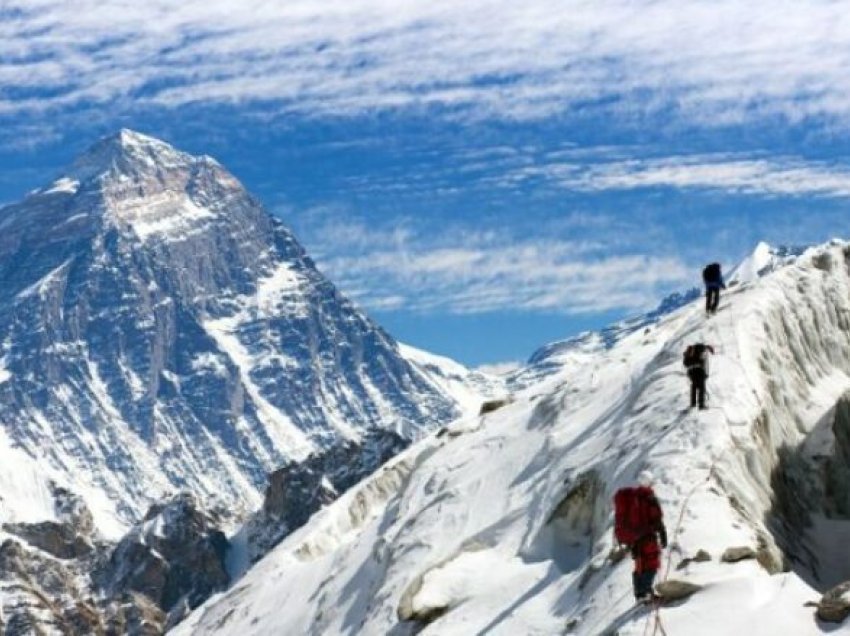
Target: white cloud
x,y
771,177
468,272
711,62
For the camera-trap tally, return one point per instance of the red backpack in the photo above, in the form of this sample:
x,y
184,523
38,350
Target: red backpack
x,y
636,514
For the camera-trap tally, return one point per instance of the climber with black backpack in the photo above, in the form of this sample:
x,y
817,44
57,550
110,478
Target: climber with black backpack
x,y
695,360
713,279
638,524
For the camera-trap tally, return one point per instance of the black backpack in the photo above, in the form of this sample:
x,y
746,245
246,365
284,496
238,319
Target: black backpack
x,y
711,273
693,355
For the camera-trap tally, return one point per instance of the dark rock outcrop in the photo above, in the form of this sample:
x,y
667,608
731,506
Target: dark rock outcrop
x,y
176,337
57,579
834,606
44,593
298,490
59,539
489,406
169,335
176,552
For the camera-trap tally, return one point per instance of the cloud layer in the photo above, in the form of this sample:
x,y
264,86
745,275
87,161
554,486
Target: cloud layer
x,y
460,271
735,174
707,62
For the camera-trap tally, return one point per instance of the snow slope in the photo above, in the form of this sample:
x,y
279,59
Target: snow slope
x,y
502,523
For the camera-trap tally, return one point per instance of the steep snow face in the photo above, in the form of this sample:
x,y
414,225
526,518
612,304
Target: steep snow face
x,y
502,524
162,332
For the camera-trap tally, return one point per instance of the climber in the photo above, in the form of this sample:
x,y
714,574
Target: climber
x,y
713,279
638,524
695,360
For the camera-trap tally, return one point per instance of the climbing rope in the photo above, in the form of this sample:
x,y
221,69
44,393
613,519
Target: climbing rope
x,y
658,627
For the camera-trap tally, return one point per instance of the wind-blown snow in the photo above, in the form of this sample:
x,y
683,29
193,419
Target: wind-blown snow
x,y
502,524
763,260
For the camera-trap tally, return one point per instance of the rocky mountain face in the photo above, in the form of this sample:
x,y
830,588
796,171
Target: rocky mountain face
x,y
60,577
164,339
162,332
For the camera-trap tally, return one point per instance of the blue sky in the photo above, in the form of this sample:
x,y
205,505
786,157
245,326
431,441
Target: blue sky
x,y
482,177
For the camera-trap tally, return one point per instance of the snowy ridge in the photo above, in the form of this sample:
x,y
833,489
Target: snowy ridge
x,y
502,523
762,261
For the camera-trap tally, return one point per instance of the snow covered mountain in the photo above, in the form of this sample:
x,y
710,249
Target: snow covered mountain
x,y
161,332
502,523
172,364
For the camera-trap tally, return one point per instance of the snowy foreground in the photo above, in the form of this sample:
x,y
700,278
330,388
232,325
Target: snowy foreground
x,y
501,524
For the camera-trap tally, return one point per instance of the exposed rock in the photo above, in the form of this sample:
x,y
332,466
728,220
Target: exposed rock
x,y
124,298
174,557
766,557
176,552
673,590
405,609
71,509
493,405
70,537
733,555
42,593
128,293
577,507
59,539
422,615
298,490
135,615
823,261
618,553
834,606
700,557
575,522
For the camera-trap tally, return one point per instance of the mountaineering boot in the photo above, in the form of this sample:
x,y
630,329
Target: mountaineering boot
x,y
649,599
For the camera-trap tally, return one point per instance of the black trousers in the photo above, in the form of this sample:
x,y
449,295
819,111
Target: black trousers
x,y
697,376
642,582
712,299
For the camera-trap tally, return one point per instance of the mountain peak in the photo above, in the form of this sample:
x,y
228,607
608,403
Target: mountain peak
x,y
127,152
